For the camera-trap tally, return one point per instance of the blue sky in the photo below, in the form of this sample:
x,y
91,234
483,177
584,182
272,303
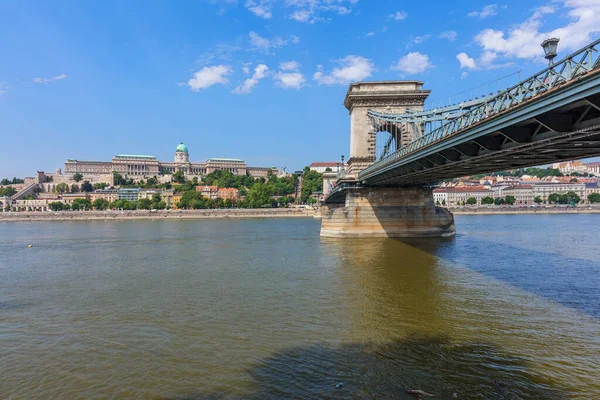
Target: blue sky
x,y
261,80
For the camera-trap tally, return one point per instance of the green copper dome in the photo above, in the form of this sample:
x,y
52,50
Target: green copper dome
x,y
182,147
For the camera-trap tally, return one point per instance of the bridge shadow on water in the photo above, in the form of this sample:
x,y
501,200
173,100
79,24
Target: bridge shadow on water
x,y
434,363
572,282
368,371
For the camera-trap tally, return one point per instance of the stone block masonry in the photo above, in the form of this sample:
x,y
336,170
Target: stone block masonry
x,y
387,212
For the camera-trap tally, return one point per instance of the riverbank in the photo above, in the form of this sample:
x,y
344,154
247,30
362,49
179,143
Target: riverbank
x,y
160,214
497,210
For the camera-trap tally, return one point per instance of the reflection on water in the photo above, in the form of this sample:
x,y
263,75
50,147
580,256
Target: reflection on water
x,y
267,309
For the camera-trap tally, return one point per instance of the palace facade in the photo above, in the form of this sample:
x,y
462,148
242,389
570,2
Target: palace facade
x,y
131,165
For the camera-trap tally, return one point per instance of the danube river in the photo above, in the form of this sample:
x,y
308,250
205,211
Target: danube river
x,y
230,309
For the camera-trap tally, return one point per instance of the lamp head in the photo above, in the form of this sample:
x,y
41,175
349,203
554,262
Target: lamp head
x,y
550,46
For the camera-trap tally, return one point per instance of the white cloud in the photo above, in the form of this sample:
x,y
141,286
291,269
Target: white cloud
x,y
413,63
246,68
289,66
450,35
421,39
309,11
208,76
289,76
289,80
259,73
523,41
48,80
261,9
351,69
263,44
485,61
487,11
464,75
301,15
398,16
465,61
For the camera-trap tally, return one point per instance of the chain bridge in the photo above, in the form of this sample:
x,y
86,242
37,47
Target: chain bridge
x,y
398,150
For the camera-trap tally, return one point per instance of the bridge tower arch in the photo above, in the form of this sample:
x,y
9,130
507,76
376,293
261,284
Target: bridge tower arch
x,y
386,97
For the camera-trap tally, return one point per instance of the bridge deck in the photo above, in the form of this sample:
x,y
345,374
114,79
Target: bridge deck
x,y
559,122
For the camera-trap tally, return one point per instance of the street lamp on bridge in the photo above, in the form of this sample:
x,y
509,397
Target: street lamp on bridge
x,y
550,46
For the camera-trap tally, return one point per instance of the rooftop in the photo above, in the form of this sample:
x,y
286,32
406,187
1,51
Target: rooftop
x,y
325,164
225,160
134,156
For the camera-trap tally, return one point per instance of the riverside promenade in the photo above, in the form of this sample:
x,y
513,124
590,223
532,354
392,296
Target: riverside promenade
x,y
159,214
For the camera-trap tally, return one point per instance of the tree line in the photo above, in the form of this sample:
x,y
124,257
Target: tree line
x,y
554,198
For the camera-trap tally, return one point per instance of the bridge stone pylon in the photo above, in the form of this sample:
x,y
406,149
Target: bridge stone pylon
x,y
383,96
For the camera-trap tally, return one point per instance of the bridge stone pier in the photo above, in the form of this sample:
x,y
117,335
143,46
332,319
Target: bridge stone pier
x,y
379,211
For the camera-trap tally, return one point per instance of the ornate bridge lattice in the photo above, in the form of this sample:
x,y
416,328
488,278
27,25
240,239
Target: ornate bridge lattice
x,y
552,115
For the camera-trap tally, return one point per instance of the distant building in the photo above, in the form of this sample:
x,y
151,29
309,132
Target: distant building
x,y
228,193
109,195
590,188
139,166
321,167
456,195
545,189
214,192
130,194
523,194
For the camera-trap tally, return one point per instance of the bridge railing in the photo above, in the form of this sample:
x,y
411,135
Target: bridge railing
x,y
571,67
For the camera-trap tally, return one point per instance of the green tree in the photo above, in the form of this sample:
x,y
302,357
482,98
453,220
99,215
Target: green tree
x,y
74,188
573,180
178,177
7,191
86,186
312,182
100,185
510,200
443,202
594,198
81,204
227,203
77,177
499,201
487,200
471,201
161,205
156,199
554,198
258,195
537,200
101,204
58,206
118,179
144,204
284,200
572,198
61,188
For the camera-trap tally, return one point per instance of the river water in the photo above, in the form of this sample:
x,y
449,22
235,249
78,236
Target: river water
x,y
230,309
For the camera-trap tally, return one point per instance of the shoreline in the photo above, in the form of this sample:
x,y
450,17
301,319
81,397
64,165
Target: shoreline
x,y
237,213
161,214
512,211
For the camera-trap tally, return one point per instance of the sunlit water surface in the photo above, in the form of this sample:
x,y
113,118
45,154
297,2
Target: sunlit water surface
x,y
261,309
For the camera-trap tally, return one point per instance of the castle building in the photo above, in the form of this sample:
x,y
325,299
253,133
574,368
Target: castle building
x,y
139,166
